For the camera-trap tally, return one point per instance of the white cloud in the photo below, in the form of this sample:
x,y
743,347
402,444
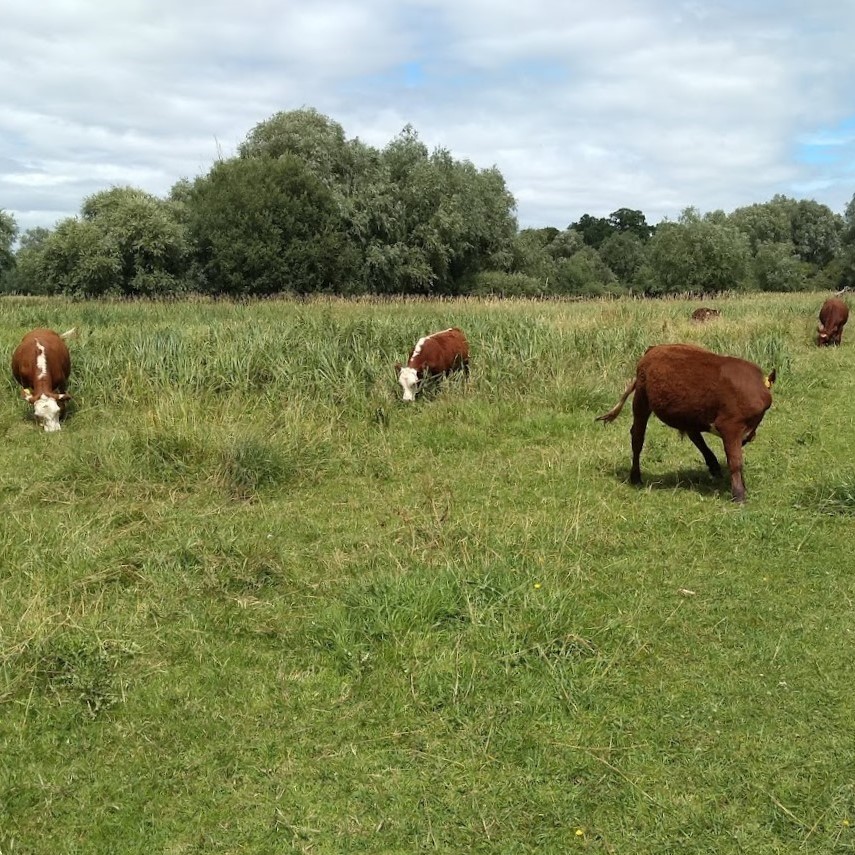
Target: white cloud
x,y
585,108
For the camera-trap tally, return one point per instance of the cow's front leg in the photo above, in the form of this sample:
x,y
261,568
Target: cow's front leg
x,y
733,451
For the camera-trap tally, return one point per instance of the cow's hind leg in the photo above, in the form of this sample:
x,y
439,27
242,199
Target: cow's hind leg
x,y
640,417
709,458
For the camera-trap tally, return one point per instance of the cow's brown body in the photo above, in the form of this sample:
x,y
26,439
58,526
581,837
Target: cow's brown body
x,y
440,353
696,391
41,364
832,318
435,355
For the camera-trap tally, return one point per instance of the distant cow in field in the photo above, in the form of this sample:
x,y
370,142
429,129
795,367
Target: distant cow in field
x,y
704,314
696,391
434,355
832,318
41,364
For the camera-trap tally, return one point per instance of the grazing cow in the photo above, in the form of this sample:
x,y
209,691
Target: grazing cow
x,y
433,356
696,391
832,318
41,364
704,314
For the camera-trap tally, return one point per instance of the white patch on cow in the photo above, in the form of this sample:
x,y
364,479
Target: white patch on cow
x,y
420,343
418,348
41,361
409,380
47,413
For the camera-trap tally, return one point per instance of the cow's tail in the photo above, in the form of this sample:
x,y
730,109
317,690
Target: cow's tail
x,y
72,333
614,412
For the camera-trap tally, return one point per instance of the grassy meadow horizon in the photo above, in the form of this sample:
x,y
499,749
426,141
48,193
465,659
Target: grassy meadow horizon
x,y
252,602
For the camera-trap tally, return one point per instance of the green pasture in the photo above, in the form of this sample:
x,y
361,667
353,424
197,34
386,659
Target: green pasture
x,y
252,603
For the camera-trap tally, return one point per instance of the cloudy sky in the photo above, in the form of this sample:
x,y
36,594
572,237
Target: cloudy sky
x,y
584,106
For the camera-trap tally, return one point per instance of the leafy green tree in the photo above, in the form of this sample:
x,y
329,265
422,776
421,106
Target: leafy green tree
x,y
313,139
429,223
414,221
34,238
623,252
28,278
78,258
594,230
262,226
8,233
778,268
847,251
531,255
848,233
630,221
699,257
584,274
767,223
151,243
816,232
566,244
126,242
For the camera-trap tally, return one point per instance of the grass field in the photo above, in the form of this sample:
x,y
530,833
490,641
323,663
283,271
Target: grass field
x,y
251,602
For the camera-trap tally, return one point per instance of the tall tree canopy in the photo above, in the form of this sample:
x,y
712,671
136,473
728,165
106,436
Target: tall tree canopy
x,y
698,256
261,226
126,242
302,208
8,233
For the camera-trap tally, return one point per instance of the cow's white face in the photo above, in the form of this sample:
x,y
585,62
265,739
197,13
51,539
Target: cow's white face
x,y
47,412
409,380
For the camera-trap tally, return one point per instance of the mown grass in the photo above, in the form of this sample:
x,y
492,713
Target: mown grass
x,y
250,602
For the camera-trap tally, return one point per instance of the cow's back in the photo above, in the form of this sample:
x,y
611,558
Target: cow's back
x,y
834,311
57,358
689,387
441,351
833,315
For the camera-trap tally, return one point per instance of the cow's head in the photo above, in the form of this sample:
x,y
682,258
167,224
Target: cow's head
x,y
409,380
822,334
48,408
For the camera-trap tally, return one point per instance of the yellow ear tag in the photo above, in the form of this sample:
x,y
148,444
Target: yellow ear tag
x,y
767,383
28,391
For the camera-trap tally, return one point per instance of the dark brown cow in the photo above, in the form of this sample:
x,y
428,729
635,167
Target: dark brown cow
x,y
434,355
832,318
696,391
42,365
704,314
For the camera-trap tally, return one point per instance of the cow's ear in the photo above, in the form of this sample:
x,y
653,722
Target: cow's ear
x,y
28,396
63,396
770,379
397,367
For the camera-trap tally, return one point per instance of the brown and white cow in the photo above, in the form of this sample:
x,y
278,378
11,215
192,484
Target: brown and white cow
x,y
41,364
832,318
697,391
433,356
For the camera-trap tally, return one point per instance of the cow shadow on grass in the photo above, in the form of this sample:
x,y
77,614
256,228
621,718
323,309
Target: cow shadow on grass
x,y
697,479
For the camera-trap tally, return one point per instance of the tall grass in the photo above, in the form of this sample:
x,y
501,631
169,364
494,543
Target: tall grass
x,y
252,602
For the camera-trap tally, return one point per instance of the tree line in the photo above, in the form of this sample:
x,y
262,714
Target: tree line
x,y
302,209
